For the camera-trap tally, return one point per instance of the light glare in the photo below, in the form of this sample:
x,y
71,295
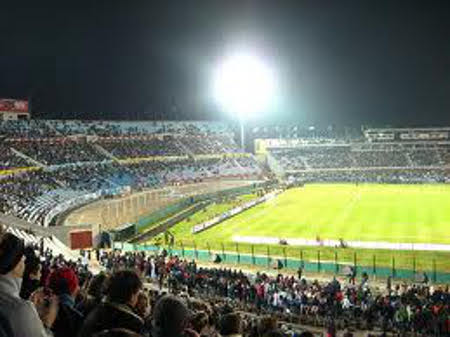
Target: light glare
x,y
244,85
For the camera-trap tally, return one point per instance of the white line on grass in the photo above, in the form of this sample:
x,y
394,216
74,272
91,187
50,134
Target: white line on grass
x,y
335,243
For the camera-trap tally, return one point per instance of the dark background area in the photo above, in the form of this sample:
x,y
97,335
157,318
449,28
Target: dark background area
x,y
338,62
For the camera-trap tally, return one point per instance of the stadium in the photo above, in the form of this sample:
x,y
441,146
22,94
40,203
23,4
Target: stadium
x,y
282,184
380,196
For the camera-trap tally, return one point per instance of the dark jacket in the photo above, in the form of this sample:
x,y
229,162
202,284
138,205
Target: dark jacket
x,y
110,315
86,305
69,320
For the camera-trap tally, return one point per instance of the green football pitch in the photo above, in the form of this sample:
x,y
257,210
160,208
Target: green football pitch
x,y
366,212
394,213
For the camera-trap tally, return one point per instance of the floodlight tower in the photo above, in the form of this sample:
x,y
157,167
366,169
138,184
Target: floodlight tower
x,y
243,86
241,125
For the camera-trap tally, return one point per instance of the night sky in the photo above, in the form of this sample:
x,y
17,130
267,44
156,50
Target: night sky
x,y
338,62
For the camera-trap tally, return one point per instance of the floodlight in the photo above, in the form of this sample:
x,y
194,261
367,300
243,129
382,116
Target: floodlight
x,y
243,85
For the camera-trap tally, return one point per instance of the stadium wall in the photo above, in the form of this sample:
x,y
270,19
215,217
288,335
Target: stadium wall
x,y
174,208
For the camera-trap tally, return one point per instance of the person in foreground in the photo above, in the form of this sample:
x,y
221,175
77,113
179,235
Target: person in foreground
x,y
21,314
117,309
170,318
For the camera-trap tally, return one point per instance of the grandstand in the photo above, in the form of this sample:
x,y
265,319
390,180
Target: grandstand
x,y
384,155
103,175
50,167
225,169
61,180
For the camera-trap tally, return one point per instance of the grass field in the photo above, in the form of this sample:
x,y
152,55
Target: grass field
x,y
394,213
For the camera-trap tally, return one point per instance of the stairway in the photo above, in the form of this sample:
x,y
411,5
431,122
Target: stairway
x,y
104,152
27,158
408,158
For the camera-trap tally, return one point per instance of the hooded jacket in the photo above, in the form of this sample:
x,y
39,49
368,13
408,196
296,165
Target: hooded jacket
x,y
21,314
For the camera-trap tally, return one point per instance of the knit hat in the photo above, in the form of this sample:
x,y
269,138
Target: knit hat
x,y
11,252
63,281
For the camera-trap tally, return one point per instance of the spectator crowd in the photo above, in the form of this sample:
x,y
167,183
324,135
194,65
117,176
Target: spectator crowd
x,y
70,162
393,163
159,295
32,194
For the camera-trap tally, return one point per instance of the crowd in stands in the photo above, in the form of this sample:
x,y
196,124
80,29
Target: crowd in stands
x,y
31,195
133,148
394,163
215,144
160,295
17,192
57,128
26,129
76,159
44,295
342,157
9,160
343,305
292,131
140,128
59,142
168,146
60,152
428,157
378,176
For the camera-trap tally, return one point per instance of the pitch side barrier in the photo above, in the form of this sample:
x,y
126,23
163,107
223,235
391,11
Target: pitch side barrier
x,y
235,211
170,222
317,266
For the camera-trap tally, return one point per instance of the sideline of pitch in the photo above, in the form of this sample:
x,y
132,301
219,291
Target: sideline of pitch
x,y
337,243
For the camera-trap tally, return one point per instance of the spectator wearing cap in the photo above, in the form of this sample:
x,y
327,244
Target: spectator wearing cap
x,y
64,284
117,310
20,314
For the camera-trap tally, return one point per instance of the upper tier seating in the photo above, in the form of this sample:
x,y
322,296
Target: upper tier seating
x,y
342,157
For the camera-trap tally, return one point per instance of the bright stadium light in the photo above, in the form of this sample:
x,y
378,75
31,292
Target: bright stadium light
x,y
243,86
